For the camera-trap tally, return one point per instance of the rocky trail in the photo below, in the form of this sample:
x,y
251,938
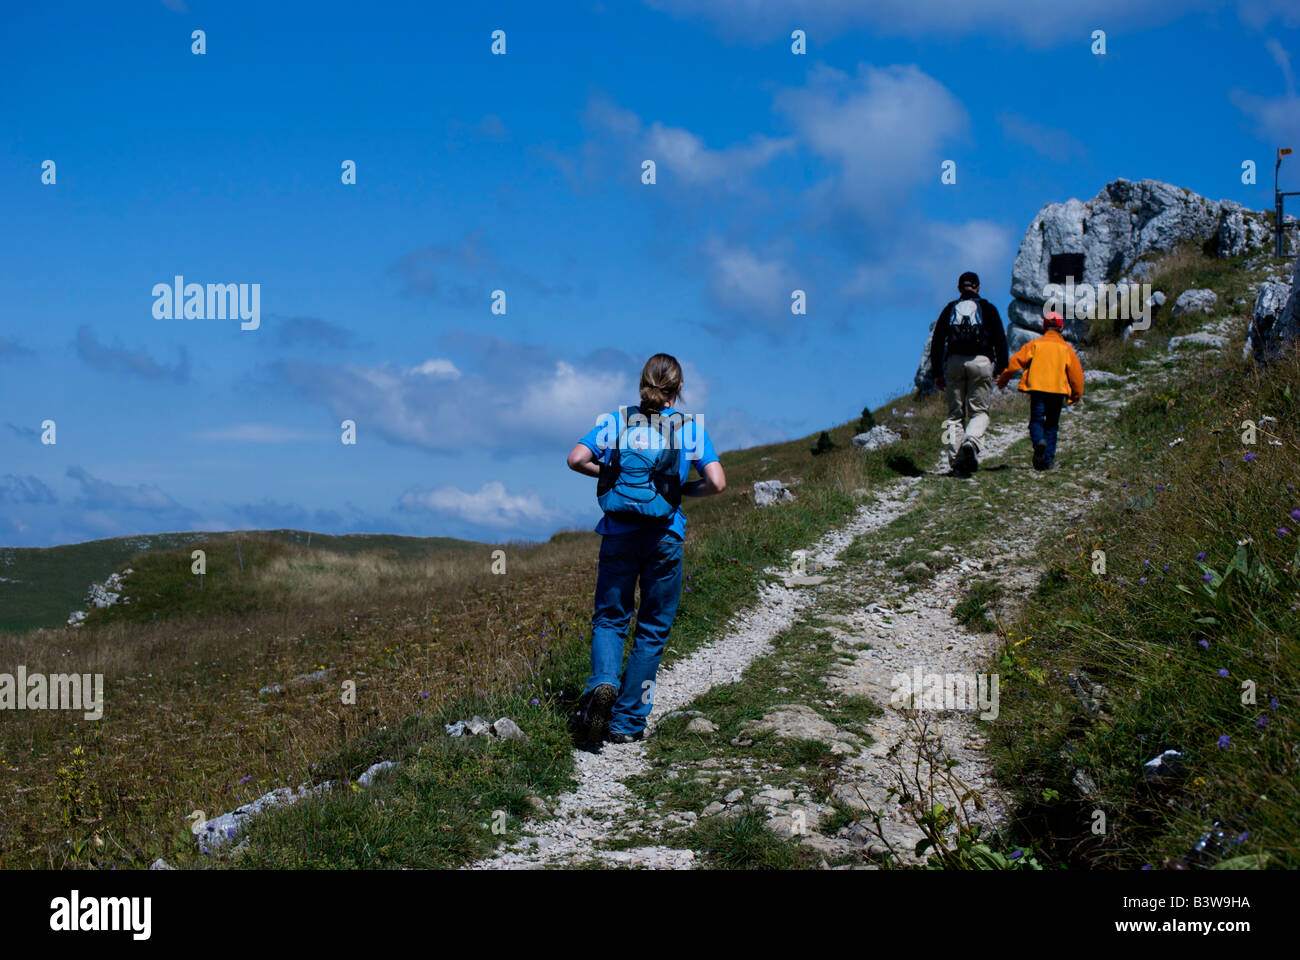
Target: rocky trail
x,y
874,641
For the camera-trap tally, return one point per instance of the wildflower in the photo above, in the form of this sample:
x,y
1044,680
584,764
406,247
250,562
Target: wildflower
x,y
1165,568
1016,855
534,701
1250,455
1142,580
1223,671
424,694
1208,577
1225,741
1245,835
1201,556
1198,782
1272,704
1261,722
1295,514
1145,564
1160,486
1283,532
1205,644
245,780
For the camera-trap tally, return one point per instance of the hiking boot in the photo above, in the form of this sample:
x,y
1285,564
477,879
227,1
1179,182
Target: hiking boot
x,y
1040,456
965,462
615,737
593,715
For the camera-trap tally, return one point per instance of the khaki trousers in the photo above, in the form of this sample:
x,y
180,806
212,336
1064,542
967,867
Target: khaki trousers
x,y
969,392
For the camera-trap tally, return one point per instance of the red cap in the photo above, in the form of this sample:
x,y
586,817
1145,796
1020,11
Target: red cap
x,y
1053,319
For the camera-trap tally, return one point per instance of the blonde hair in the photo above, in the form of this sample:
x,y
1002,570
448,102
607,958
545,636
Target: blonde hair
x,y
661,382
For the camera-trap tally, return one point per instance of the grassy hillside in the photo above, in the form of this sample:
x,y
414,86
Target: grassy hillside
x,y
424,636
1188,641
40,586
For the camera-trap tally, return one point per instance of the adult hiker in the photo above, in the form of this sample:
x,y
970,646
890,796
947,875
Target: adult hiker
x,y
967,350
1052,375
641,457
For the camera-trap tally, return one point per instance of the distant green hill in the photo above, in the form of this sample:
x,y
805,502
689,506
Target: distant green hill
x,y
40,586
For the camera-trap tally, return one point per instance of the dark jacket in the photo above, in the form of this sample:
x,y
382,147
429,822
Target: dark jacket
x,y
993,342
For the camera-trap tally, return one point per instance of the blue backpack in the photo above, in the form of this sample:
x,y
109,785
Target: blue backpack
x,y
640,481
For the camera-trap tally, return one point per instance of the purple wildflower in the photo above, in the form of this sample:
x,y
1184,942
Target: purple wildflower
x,y
1250,455
1201,556
1261,722
1208,577
1223,672
245,780
1283,532
1142,580
1225,741
1205,644
1272,704
534,701
1295,514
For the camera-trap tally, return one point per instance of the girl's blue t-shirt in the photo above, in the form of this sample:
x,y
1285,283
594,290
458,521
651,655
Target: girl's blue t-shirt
x,y
696,448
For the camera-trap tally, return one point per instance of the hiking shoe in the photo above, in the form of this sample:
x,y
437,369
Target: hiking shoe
x,y
965,462
1040,456
594,722
615,737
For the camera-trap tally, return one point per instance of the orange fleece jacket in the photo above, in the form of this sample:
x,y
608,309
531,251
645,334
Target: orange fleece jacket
x,y
1050,365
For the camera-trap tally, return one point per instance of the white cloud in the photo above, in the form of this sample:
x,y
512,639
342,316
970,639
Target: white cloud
x,y
677,152
883,129
750,285
922,264
490,506
438,368
517,398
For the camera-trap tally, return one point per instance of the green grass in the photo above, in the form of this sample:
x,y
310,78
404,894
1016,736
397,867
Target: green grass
x,y
972,611
1172,652
43,585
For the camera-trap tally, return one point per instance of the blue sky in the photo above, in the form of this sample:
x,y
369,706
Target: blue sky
x,y
522,173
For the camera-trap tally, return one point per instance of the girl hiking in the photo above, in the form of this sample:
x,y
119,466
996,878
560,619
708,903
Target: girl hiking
x,y
641,457
1052,376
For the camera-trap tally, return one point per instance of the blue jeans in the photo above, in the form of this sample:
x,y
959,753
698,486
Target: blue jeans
x,y
654,557
1044,418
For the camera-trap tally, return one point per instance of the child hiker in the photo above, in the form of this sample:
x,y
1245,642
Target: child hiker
x,y
641,457
1052,373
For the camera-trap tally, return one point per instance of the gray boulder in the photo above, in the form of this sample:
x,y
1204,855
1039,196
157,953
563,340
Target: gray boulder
x,y
875,438
922,380
1199,339
1275,322
1240,230
1199,301
507,729
1109,236
769,492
